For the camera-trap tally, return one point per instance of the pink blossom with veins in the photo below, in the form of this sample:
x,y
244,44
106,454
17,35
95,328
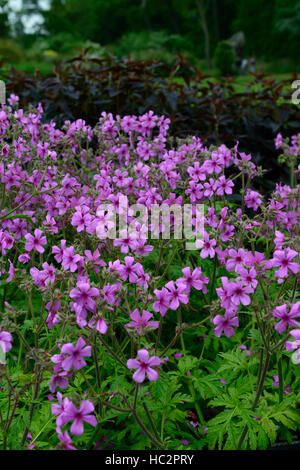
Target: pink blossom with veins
x,y
70,260
5,341
224,292
79,416
141,321
59,251
177,295
207,246
214,165
225,324
223,186
128,271
81,218
193,279
239,293
98,323
283,259
65,440
83,295
162,303
59,410
144,366
286,318
248,277
35,241
75,355
236,259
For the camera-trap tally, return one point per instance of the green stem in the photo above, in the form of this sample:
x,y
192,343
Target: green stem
x,y
280,378
213,279
154,428
257,397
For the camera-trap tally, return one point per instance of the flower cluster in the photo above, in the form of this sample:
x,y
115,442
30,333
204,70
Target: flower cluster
x,y
108,299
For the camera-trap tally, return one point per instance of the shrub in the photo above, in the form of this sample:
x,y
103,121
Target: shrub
x,y
83,88
11,51
224,57
157,45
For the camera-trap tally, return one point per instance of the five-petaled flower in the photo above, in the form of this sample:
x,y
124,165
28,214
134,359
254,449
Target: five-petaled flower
x,y
75,355
144,366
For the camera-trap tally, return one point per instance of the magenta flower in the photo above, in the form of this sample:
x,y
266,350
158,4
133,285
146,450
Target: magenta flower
x,y
192,279
286,318
75,358
239,293
83,295
163,301
252,199
225,324
99,323
66,441
207,245
236,259
140,322
69,259
35,241
283,259
144,366
177,295
60,380
223,186
294,345
79,416
59,251
81,218
5,341
59,410
248,277
129,270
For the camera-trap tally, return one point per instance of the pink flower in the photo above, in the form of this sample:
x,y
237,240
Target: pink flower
x,y
248,277
60,380
143,366
59,410
66,440
225,324
83,295
69,260
98,322
294,345
24,258
286,318
163,300
236,259
80,416
192,279
36,241
207,245
252,199
129,270
82,218
239,293
177,295
59,251
5,341
223,186
139,322
75,355
283,259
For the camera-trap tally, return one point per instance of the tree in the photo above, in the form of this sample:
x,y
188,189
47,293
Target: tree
x,y
202,6
224,57
4,22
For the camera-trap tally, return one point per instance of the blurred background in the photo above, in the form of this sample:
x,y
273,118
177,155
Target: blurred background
x,y
216,36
